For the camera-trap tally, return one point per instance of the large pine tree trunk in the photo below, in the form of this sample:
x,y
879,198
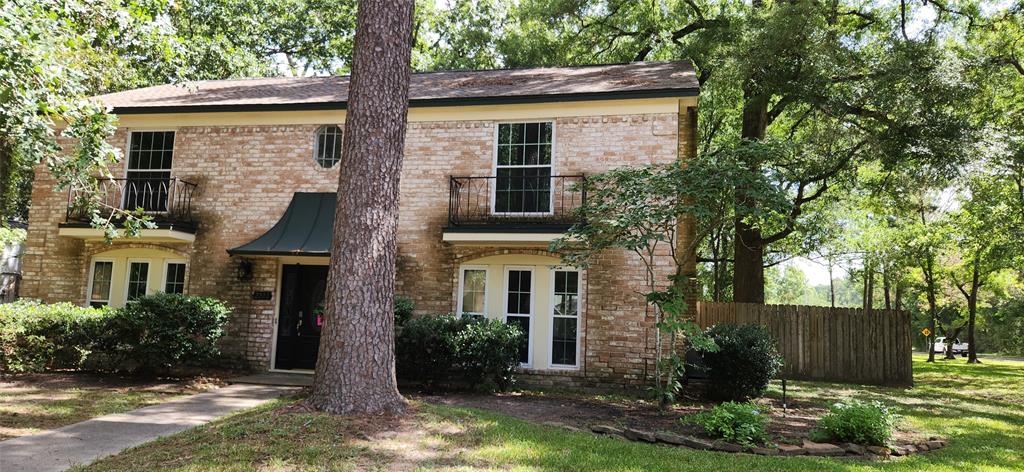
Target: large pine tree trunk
x,y
355,371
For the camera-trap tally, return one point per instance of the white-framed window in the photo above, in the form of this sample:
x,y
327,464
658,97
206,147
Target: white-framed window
x,y
138,279
473,291
327,146
523,168
565,317
518,310
100,278
148,178
174,277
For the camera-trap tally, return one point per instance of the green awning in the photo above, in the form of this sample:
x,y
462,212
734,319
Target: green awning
x,y
304,229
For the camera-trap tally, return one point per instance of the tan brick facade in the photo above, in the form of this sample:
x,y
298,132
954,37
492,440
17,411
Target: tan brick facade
x,y
246,176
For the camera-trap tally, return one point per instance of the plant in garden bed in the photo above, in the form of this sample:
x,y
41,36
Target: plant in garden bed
x,y
439,350
652,211
745,361
856,421
36,336
740,423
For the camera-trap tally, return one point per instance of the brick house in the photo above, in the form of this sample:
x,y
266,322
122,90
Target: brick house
x,y
240,177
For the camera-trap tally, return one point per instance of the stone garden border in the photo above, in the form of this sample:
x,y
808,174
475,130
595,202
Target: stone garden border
x,y
807,448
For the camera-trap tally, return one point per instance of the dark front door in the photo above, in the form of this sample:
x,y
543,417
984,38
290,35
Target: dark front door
x,y
301,315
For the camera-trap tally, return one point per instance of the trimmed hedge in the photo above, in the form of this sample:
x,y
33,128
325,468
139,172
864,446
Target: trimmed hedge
x,y
445,351
152,334
746,360
36,337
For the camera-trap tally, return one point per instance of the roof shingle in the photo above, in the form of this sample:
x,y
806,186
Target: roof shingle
x,y
639,79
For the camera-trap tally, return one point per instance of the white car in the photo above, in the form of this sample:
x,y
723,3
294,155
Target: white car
x,y
958,347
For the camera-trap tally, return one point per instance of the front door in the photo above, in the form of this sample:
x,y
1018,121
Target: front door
x,y
303,288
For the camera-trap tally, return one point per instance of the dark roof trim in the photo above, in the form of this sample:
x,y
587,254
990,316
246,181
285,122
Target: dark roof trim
x,y
429,102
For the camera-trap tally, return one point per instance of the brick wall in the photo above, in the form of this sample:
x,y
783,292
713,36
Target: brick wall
x,y
246,176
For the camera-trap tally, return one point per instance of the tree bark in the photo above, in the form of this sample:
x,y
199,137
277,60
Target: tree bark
x,y
929,278
972,311
831,285
748,253
355,371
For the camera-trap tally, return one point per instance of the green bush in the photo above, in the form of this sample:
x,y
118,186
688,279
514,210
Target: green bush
x,y
447,351
855,421
746,360
740,423
36,336
157,333
403,310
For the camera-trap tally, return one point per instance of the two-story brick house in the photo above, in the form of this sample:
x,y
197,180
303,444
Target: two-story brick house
x,y
240,177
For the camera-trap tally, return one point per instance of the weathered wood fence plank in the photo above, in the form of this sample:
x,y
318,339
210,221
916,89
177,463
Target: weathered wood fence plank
x,y
822,343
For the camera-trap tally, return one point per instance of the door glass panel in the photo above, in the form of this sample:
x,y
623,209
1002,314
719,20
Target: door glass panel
x,y
474,291
565,318
518,307
175,280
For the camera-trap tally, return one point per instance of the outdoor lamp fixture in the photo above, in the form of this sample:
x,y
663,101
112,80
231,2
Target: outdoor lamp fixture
x,y
244,270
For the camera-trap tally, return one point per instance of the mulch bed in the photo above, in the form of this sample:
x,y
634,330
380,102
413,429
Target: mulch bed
x,y
632,417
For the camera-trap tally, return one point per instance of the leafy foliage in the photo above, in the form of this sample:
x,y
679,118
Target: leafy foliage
x,y
403,310
740,423
858,422
445,351
36,336
745,361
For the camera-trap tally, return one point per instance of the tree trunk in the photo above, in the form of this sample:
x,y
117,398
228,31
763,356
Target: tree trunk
x,y
972,312
831,286
355,371
886,288
929,276
6,179
748,244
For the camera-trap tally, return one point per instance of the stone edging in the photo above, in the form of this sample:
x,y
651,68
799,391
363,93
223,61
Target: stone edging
x,y
807,448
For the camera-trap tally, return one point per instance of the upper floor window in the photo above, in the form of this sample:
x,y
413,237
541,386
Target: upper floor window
x,y
523,174
149,170
327,149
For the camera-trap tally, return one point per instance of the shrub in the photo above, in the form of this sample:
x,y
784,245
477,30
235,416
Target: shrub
x,y
445,350
487,353
746,360
855,421
155,333
36,336
740,423
403,310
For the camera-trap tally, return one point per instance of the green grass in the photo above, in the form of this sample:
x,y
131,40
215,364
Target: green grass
x,y
37,403
977,407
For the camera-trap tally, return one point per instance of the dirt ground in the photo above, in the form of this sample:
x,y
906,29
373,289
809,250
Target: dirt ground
x,y
791,425
38,402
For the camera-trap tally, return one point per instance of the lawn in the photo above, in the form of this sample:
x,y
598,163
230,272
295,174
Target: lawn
x,y
33,403
977,407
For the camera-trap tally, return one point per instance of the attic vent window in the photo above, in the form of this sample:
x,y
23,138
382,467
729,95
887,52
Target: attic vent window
x,y
327,149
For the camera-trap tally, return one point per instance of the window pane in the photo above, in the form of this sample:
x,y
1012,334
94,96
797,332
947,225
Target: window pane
x,y
175,278
138,278
101,276
523,322
474,287
563,345
327,146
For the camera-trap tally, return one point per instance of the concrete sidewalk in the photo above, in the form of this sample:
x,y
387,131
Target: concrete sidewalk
x,y
82,443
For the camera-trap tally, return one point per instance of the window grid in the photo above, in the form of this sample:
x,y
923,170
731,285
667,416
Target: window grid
x,y
518,307
149,170
138,279
175,278
328,146
523,173
565,318
102,275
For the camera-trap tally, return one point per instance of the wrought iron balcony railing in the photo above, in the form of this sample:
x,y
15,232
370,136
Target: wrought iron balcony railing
x,y
515,200
168,200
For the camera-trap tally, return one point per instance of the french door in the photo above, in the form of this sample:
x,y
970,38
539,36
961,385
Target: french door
x,y
519,297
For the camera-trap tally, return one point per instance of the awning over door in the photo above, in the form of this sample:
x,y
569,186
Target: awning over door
x,y
304,229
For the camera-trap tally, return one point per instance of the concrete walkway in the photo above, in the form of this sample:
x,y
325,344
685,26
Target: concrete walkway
x,y
82,443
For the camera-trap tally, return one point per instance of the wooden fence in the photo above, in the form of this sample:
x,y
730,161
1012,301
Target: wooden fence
x,y
834,344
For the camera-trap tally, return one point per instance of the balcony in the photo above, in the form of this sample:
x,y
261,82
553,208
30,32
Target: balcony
x,y
520,208
166,200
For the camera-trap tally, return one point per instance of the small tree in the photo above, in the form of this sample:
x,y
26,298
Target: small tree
x,y
643,210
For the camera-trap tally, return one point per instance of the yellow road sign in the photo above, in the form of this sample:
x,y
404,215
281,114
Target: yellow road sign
x,y
926,332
